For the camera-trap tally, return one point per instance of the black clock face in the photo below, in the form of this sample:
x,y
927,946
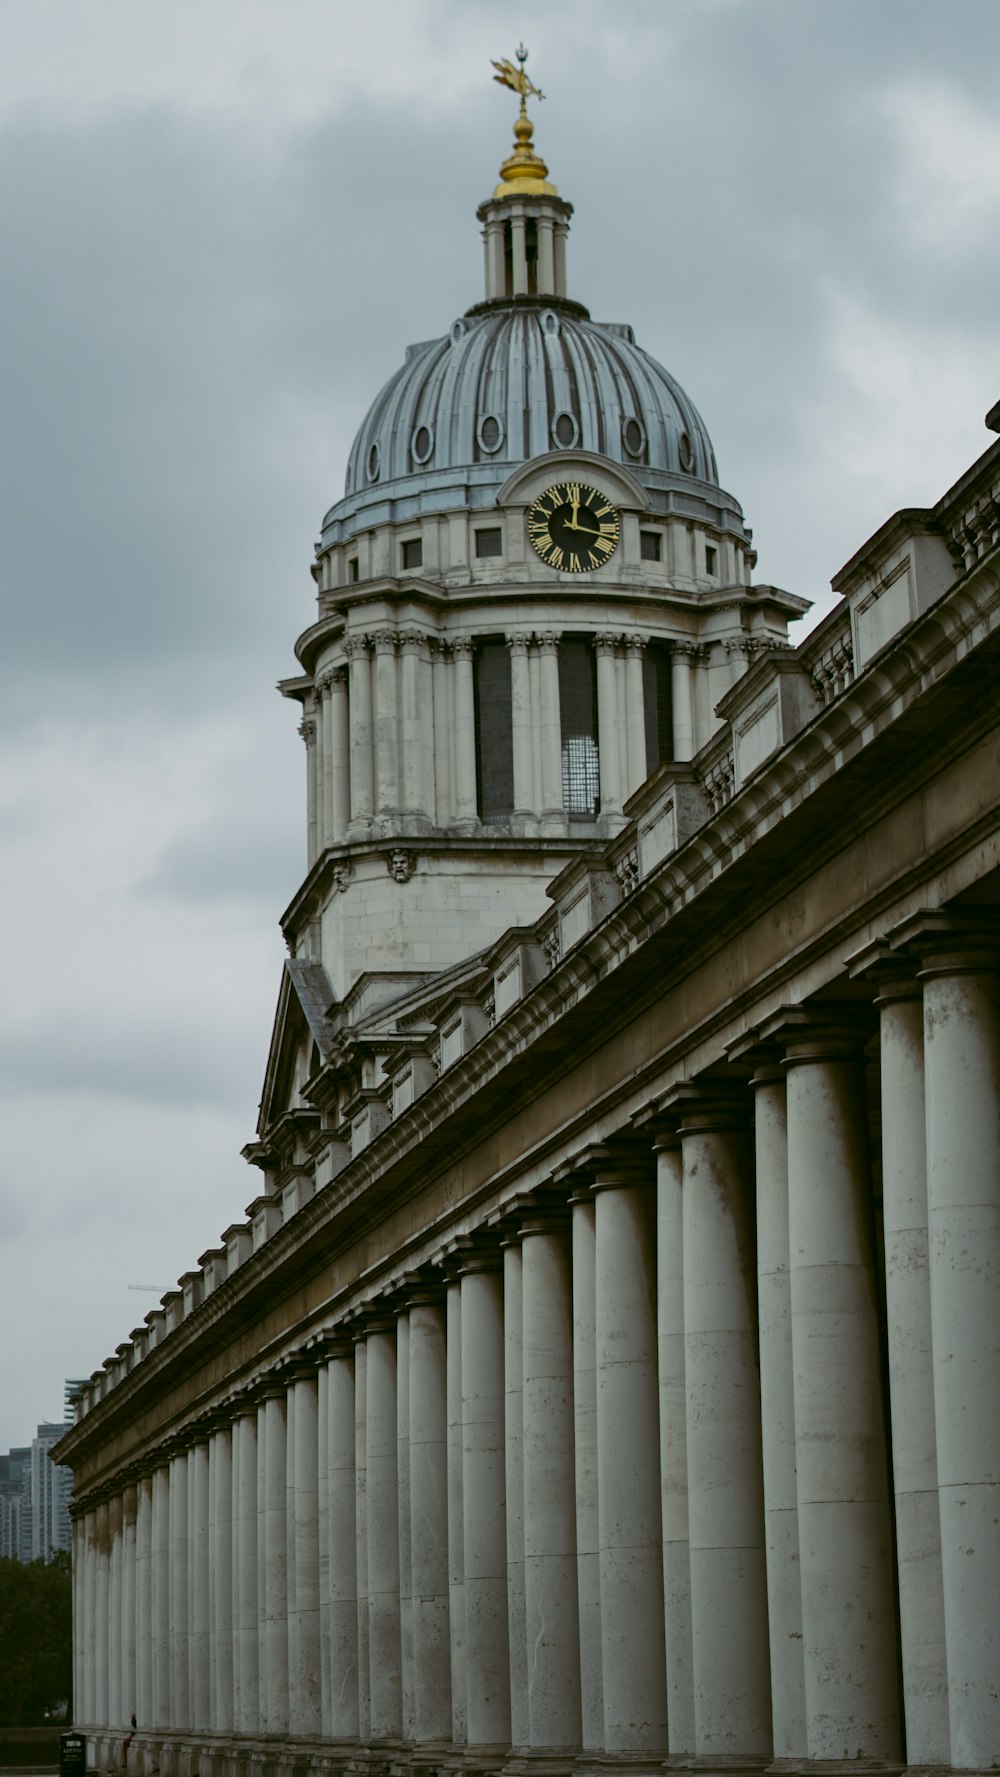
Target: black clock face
x,y
574,528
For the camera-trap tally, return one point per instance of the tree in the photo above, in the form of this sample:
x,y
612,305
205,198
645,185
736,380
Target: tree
x,y
36,1638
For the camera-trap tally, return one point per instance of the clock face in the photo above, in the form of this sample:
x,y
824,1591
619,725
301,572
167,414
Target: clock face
x,y
574,528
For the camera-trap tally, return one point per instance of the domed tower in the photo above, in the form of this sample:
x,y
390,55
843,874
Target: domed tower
x,y
532,594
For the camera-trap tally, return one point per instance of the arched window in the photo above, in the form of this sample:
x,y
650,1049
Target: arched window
x,y
494,735
581,778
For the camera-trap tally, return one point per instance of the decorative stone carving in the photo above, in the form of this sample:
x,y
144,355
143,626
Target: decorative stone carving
x,y
607,644
490,1008
342,875
552,949
834,670
627,871
385,640
401,865
461,645
307,729
719,782
518,641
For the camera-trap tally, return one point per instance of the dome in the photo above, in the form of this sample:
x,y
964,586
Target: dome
x,y
522,379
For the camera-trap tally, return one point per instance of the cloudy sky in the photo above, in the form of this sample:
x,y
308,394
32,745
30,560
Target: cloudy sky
x,y
221,222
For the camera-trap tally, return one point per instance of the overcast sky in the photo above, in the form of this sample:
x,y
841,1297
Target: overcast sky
x,y
221,223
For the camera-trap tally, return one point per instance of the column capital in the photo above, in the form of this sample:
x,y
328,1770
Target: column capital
x,y
460,645
475,1253
827,1030
333,1342
547,641
957,941
386,641
517,641
616,1168
412,639
607,643
765,1059
542,1211
634,643
703,1105
892,972
356,647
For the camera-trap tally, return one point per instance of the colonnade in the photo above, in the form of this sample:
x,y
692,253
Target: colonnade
x,y
393,734
691,1451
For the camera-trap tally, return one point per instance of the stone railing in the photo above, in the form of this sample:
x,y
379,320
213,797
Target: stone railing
x,y
828,655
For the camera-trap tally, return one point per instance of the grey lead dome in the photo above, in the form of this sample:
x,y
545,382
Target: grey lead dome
x,y
521,380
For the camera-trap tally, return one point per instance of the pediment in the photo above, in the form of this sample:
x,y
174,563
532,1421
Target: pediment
x,y
303,1033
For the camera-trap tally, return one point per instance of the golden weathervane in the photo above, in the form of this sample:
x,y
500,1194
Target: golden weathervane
x,y
524,171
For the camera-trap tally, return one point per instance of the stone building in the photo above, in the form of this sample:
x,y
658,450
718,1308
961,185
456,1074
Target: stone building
x,y
606,1371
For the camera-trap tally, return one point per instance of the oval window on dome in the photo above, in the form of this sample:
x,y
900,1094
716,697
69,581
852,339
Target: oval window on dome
x,y
422,444
457,331
550,321
489,432
685,450
633,436
374,464
565,431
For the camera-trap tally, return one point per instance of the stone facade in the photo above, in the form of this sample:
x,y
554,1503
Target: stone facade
x,y
606,1372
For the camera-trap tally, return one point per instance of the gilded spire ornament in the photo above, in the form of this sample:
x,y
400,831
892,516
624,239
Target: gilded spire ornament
x,y
523,172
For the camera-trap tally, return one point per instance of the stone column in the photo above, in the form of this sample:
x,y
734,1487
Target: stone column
x,y
221,1576
361,1533
324,718
546,256
201,1624
673,1446
429,1517
607,725
144,1708
635,713
304,1717
88,1691
307,729
130,1584
417,744
845,1531
247,1612
408,1708
521,726
962,1079
732,1695
464,737
180,1701
911,1364
456,1530
387,797
682,659
441,691
102,1613
777,1406
337,1549
115,1655
362,747
588,1561
338,705
550,1580
513,1366
161,1596
383,1530
272,1457
483,1482
550,728
519,258
631,1555
561,233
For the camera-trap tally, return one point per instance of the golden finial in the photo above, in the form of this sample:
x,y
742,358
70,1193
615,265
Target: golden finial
x,y
523,171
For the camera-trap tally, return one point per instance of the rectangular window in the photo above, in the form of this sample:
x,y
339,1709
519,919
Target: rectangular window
x,y
581,780
352,568
656,708
489,542
413,553
711,560
649,545
494,734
